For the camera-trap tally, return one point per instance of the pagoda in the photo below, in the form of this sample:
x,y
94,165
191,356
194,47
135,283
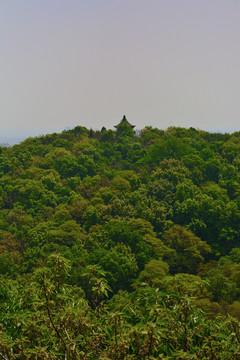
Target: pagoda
x,y
124,127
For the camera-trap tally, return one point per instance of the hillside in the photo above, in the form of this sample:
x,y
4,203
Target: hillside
x,y
120,246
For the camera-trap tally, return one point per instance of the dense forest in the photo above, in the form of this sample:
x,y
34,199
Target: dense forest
x,y
120,245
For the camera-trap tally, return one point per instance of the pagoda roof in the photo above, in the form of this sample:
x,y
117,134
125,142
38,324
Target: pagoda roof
x,y
124,123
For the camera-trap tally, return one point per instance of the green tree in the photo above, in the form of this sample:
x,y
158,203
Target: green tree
x,y
189,250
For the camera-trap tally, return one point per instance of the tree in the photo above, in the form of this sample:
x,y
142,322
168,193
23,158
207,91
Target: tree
x,y
154,271
189,250
119,264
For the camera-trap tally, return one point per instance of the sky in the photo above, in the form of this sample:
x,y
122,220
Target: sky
x,y
162,63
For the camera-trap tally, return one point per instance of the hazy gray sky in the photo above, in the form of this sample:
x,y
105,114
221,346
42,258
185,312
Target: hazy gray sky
x,y
87,62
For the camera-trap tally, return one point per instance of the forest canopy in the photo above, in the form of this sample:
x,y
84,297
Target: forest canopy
x,y
120,245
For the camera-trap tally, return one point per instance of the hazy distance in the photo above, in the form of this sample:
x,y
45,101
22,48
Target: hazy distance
x,y
161,62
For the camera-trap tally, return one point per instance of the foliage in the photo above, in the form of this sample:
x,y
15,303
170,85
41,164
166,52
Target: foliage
x,y
120,246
